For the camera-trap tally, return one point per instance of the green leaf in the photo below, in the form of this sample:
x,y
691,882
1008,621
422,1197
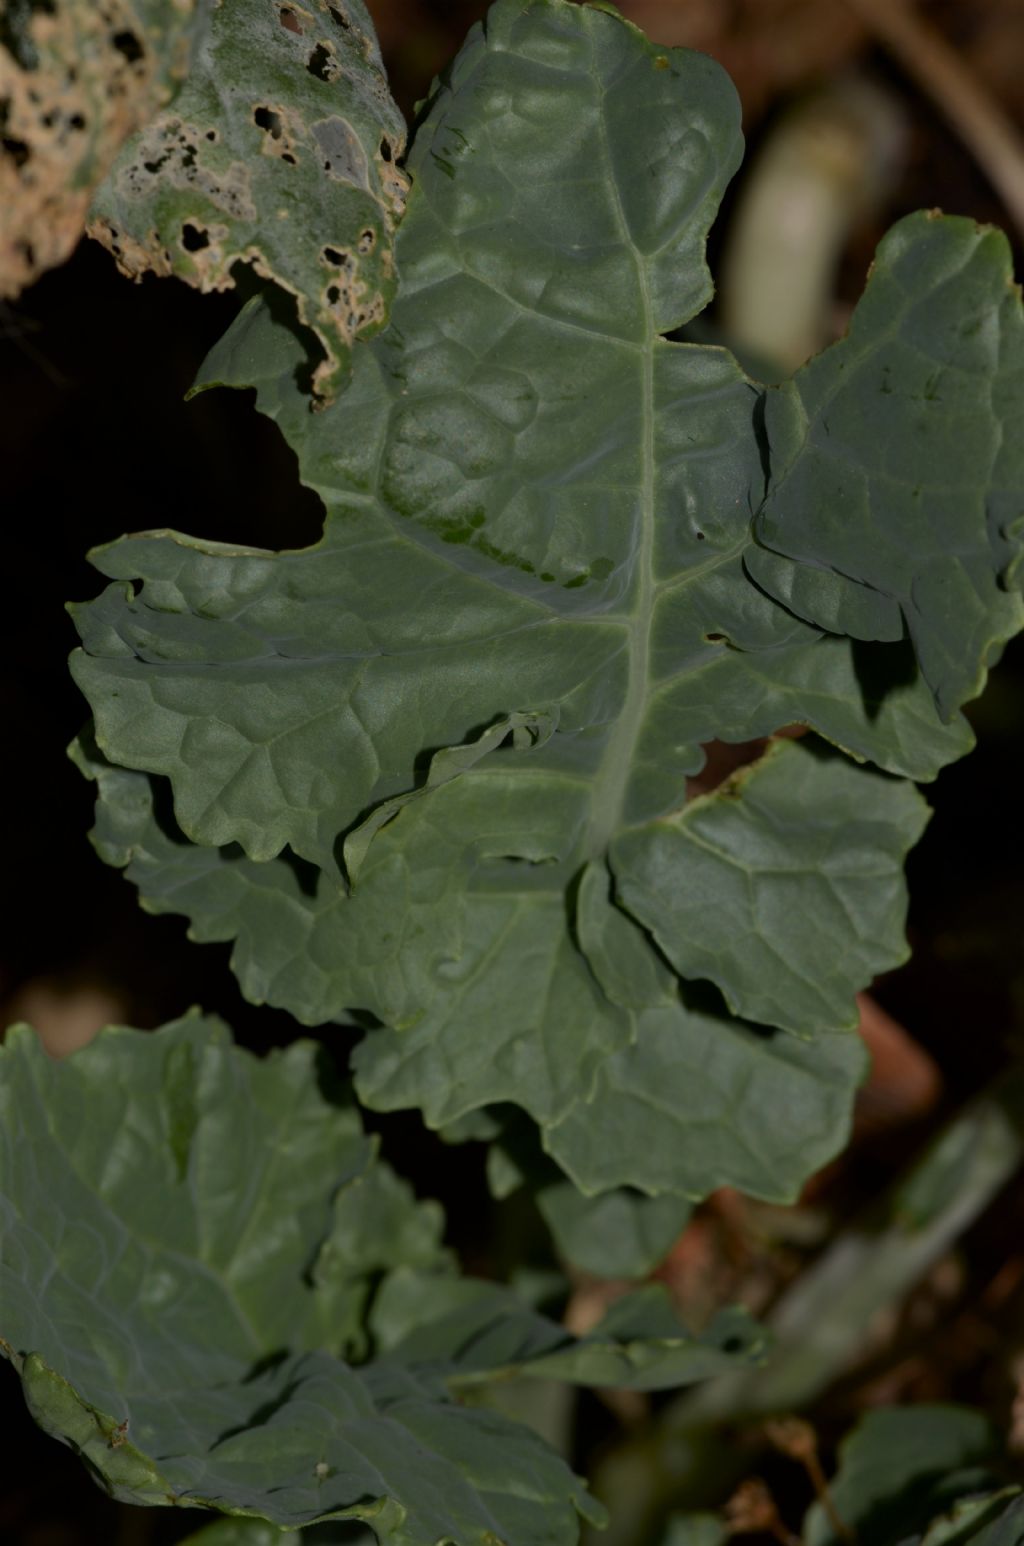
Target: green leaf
x,y
899,1468
478,1331
701,1100
1007,1530
898,460
313,1439
590,433
794,837
538,520
994,1519
618,1234
262,349
378,1228
281,151
242,1532
408,942
252,1173
695,1530
711,1088
621,959
184,1232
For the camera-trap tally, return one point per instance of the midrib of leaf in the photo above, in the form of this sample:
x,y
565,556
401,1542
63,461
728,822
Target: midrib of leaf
x,y
609,794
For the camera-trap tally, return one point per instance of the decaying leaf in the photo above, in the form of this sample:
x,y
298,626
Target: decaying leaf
x,y
77,77
281,152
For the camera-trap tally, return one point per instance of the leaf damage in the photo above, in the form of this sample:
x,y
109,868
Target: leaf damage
x,y
77,77
265,177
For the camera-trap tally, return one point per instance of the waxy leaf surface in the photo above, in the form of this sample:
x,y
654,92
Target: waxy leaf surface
x,y
707,1090
621,1233
434,767
192,1236
898,461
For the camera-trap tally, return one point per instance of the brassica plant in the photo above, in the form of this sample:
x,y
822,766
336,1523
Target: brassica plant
x,y
429,775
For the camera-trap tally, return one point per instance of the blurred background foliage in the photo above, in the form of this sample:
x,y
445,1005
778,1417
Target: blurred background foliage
x,y
852,121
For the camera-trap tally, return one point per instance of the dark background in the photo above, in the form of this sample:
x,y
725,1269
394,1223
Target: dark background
x,y
95,439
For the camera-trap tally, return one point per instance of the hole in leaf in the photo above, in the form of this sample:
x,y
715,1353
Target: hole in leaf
x,y
367,241
286,155
270,122
334,256
333,295
340,18
17,150
193,238
385,150
699,536
716,638
129,45
289,20
320,63
724,758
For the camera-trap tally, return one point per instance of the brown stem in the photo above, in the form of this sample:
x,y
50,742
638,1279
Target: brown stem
x,y
796,1438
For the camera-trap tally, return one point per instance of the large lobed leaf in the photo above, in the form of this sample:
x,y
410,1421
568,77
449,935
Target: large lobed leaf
x,y
906,515
434,767
192,1238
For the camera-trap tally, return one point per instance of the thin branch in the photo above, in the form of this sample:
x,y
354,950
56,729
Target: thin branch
x,y
793,1436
